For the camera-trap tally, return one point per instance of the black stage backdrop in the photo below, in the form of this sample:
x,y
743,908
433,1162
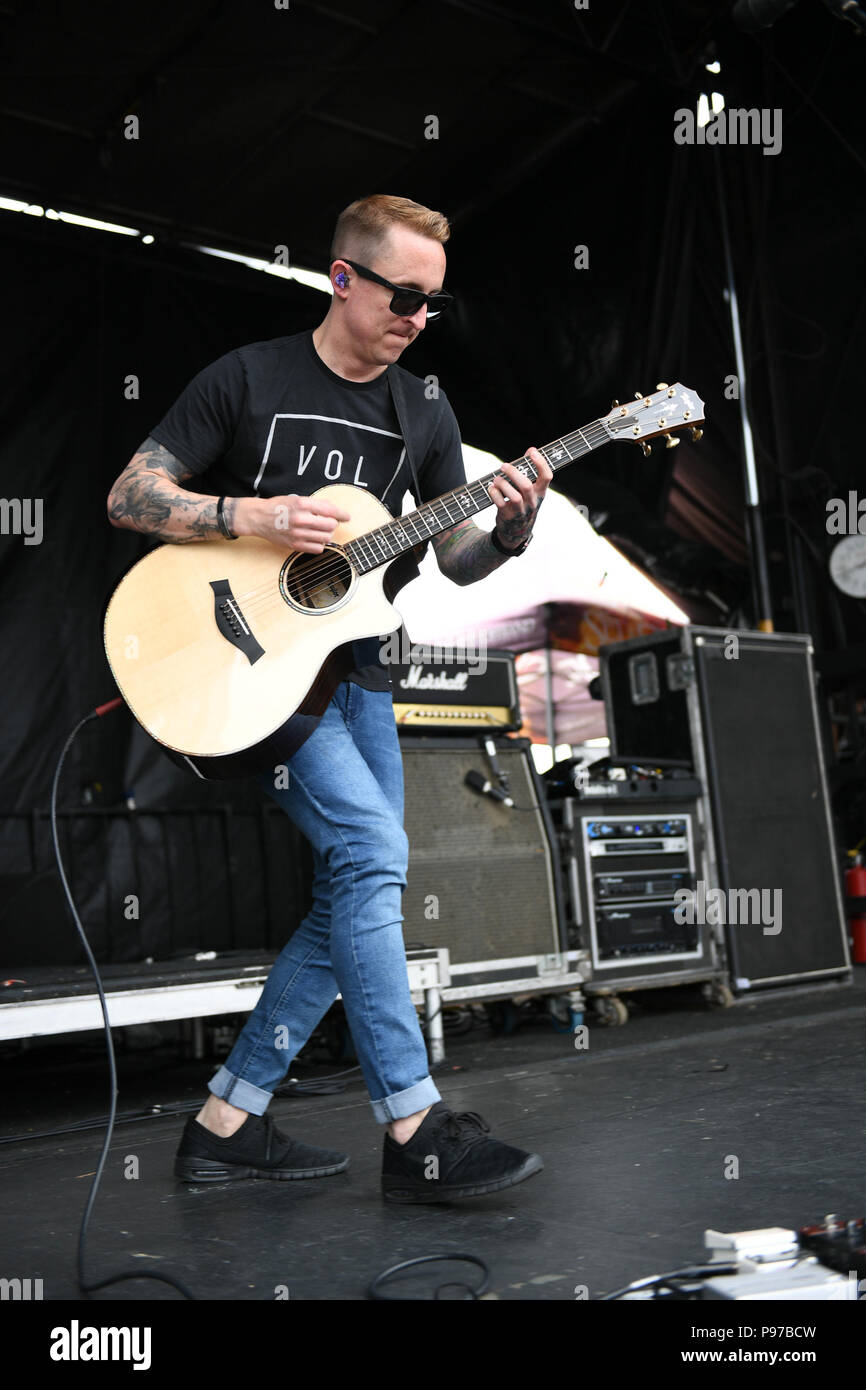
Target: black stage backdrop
x,y
211,866
534,347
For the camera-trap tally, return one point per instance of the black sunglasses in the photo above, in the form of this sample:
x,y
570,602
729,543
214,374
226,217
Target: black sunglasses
x,y
406,302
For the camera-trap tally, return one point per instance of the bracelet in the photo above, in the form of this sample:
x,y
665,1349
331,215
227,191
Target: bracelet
x,y
222,523
497,544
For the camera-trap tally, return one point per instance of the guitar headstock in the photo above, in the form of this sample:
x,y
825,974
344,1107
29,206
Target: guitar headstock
x,y
671,408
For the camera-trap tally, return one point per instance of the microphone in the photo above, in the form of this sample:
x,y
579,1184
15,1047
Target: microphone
x,y
752,15
501,777
484,788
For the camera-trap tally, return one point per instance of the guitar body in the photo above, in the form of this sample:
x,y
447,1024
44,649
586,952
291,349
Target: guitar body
x,y
228,652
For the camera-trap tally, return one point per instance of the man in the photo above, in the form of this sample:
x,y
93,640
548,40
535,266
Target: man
x,y
263,428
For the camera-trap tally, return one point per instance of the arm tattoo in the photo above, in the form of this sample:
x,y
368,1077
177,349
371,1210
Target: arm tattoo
x,y
514,532
148,497
465,554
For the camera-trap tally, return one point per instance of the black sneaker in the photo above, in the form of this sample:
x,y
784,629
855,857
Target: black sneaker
x,y
449,1157
256,1150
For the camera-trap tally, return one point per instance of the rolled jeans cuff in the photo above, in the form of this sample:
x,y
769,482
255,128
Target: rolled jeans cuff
x,y
232,1089
404,1103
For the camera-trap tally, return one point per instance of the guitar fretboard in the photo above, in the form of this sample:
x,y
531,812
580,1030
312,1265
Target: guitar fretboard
x,y
386,542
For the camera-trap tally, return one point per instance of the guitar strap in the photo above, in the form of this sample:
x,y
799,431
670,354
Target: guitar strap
x,y
412,439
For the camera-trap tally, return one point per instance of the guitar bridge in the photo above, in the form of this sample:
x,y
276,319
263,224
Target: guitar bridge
x,y
232,623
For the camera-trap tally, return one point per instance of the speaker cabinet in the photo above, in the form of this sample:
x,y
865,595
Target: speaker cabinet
x,y
740,708
484,878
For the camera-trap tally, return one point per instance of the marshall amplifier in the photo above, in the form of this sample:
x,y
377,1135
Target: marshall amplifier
x,y
452,688
740,708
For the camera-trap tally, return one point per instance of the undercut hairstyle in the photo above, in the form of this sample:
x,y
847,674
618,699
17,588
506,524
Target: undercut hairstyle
x,y
363,226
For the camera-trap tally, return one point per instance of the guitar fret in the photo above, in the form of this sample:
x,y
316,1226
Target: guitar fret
x,y
364,551
373,538
558,454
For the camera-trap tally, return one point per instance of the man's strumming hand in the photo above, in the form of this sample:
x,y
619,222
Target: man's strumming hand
x,y
291,522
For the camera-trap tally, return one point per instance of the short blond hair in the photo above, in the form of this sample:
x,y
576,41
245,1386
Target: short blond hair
x,y
363,226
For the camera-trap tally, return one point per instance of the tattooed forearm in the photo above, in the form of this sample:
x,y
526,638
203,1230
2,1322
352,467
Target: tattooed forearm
x,y
466,554
147,497
515,531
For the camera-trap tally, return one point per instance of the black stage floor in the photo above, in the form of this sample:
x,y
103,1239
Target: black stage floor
x,y
636,1133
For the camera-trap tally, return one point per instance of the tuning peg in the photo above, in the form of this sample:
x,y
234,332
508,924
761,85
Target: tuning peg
x,y
661,386
614,404
671,441
696,433
647,448
638,395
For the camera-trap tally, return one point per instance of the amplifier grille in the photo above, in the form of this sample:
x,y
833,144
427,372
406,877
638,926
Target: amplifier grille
x,y
485,868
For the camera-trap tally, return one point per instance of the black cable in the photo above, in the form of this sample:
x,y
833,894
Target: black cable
x,y
156,1112
128,1117
430,1259
659,1280
130,1274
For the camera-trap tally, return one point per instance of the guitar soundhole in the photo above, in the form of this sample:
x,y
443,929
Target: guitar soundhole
x,y
316,582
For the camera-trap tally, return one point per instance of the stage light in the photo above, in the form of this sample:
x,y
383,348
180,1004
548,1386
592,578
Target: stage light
x,y
312,278
52,215
15,205
98,225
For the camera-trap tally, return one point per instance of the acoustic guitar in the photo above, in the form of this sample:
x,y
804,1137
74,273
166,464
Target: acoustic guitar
x,y
228,653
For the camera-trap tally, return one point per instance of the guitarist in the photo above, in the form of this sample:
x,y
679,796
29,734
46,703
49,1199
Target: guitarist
x,y
261,429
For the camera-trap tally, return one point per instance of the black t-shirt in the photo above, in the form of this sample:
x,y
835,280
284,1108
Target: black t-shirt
x,y
271,418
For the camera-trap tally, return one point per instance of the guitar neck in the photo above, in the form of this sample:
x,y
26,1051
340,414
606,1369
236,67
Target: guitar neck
x,y
386,542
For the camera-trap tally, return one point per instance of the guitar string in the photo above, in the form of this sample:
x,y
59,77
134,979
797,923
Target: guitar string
x,y
256,600
317,579
330,569
323,575
590,436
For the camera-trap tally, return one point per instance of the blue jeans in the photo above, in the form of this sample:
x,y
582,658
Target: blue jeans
x,y
345,794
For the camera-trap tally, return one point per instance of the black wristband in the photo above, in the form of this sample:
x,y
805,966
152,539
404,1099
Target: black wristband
x,y
222,523
503,550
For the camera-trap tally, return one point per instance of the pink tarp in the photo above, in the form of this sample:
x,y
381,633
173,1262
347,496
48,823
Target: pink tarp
x,y
571,590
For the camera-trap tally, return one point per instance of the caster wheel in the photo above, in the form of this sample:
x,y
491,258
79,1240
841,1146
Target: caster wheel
x,y
612,1012
718,996
563,1019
